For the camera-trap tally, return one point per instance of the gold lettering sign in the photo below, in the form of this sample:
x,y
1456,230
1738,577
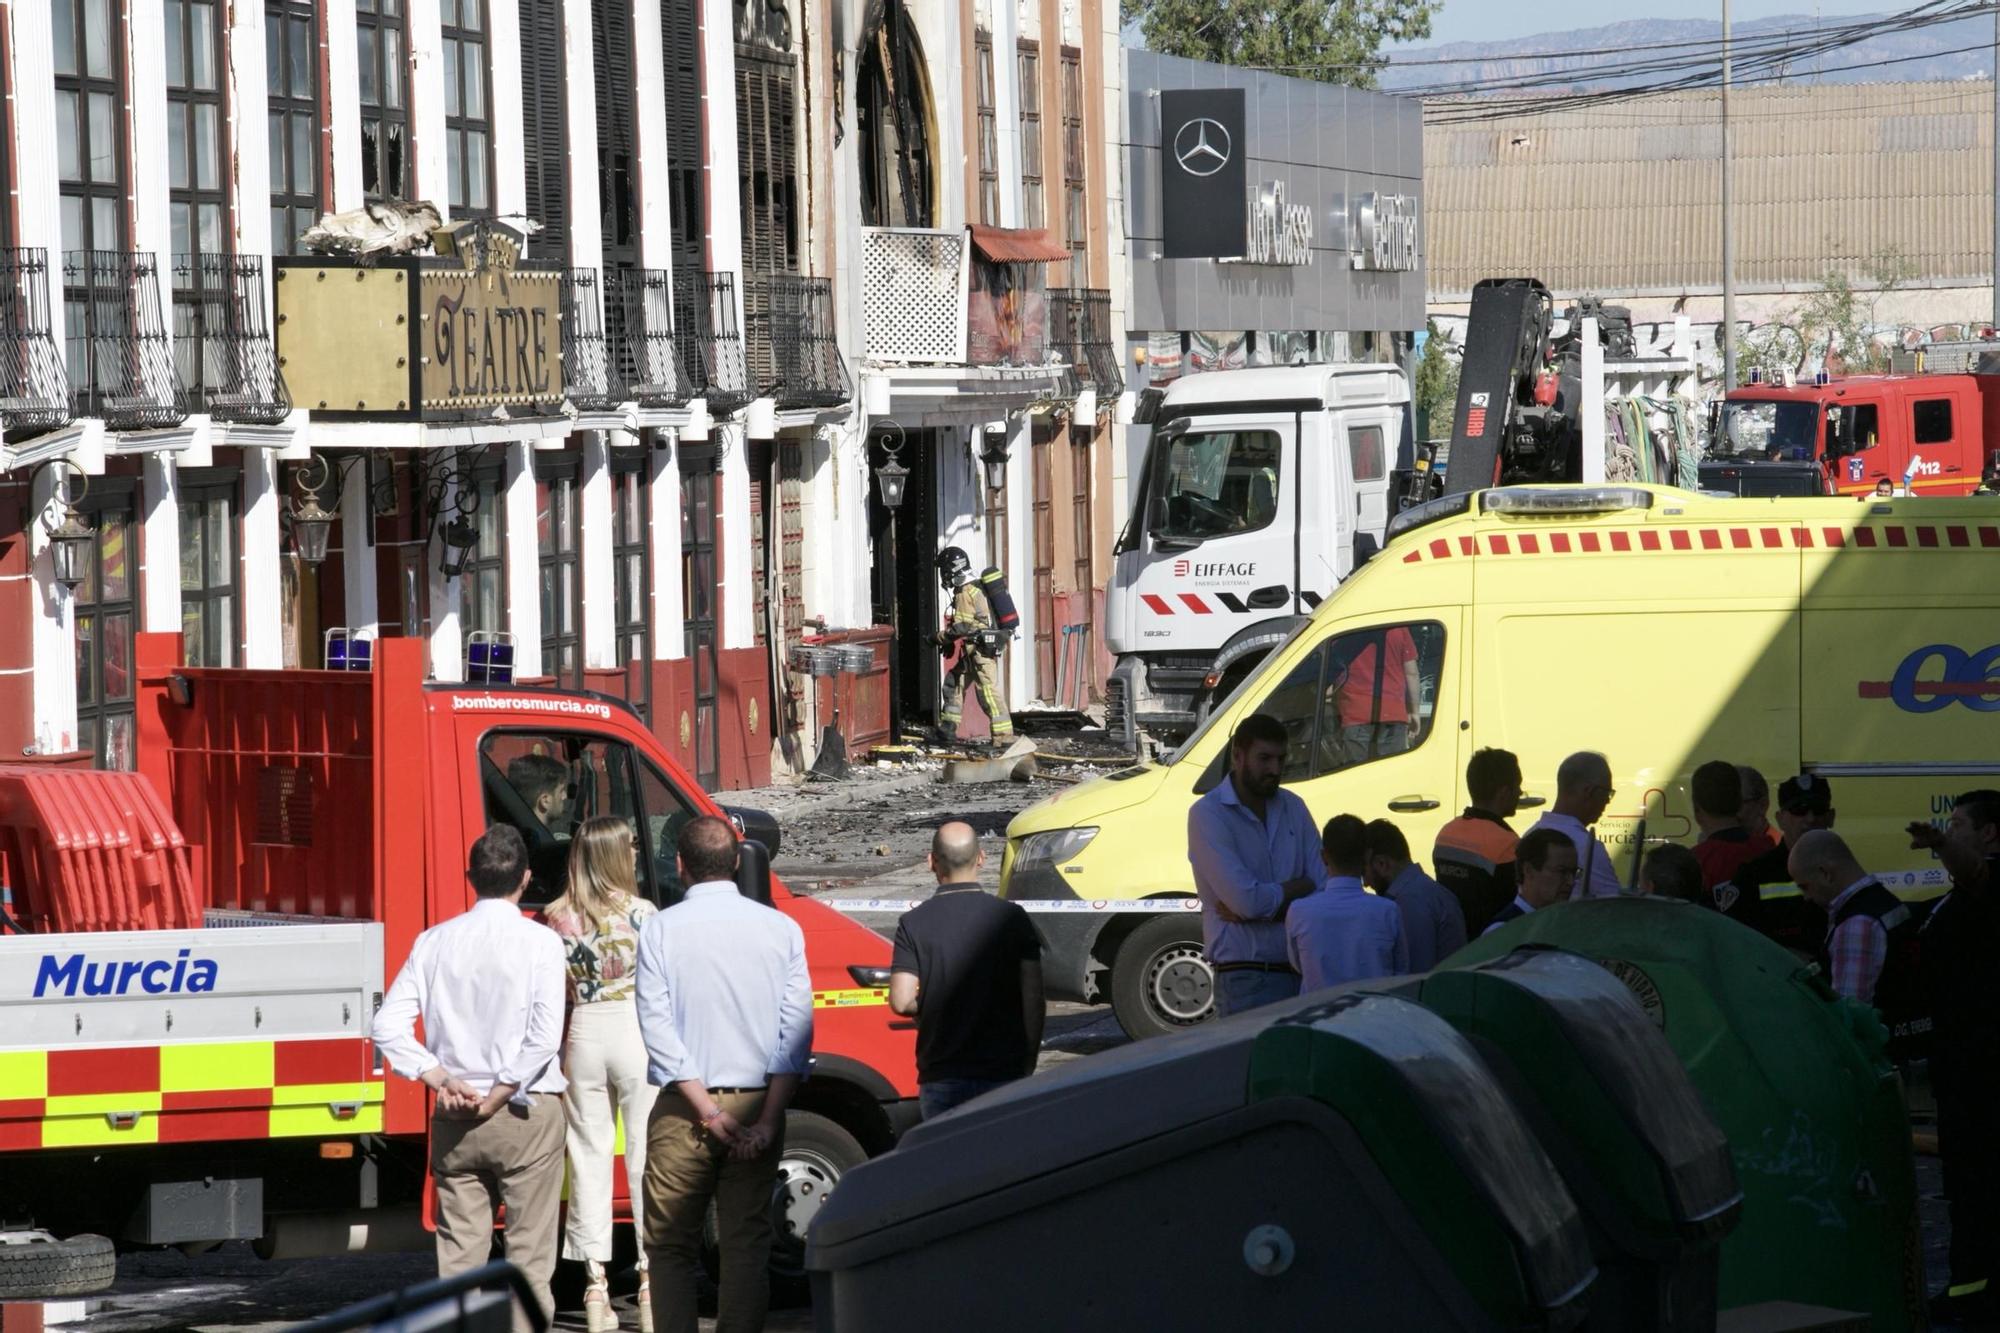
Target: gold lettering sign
x,y
491,337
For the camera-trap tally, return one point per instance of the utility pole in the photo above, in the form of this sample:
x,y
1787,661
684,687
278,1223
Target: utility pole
x,y
1729,228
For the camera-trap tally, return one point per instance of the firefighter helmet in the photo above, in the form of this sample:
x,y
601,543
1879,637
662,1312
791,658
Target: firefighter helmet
x,y
953,567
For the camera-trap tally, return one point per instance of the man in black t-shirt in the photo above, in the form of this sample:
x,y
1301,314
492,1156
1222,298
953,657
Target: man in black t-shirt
x,y
968,967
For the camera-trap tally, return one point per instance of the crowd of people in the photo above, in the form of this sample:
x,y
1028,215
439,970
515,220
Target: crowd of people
x,y
1287,909
692,1025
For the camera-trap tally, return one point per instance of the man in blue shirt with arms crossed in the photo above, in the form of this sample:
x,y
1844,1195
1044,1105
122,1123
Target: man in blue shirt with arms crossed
x,y
1253,846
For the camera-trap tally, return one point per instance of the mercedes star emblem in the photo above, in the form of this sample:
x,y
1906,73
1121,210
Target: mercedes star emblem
x,y
1201,146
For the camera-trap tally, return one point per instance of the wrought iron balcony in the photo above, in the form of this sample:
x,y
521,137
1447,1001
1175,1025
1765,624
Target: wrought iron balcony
x,y
793,356
706,336
222,340
1080,334
639,313
587,362
34,392
121,365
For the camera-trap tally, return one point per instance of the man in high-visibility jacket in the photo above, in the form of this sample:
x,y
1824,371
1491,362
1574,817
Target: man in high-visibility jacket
x,y
971,631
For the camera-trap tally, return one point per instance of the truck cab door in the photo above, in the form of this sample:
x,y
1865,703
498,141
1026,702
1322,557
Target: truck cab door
x,y
1368,435
1214,532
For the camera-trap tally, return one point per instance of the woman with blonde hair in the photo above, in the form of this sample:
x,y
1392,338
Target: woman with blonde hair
x,y
599,919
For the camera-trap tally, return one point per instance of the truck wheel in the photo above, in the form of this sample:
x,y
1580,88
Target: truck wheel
x,y
36,1266
1160,981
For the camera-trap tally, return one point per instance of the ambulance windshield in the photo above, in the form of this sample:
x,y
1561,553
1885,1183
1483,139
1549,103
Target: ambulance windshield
x,y
1769,432
1211,483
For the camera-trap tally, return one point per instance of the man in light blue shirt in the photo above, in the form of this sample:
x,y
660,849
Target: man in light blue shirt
x,y
1251,844
725,1010
1433,921
1343,932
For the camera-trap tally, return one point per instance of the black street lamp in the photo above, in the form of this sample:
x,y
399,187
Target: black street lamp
x,y
72,542
894,479
312,523
460,537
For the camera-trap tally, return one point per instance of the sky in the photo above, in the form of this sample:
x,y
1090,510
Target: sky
x,y
1486,20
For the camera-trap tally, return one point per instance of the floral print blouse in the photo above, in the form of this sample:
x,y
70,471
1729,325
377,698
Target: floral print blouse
x,y
602,962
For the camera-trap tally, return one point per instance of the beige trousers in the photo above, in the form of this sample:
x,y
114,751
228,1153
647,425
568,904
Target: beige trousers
x,y
685,1168
513,1158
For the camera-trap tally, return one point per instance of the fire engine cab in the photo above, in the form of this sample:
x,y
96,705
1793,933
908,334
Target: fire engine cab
x,y
191,955
1924,434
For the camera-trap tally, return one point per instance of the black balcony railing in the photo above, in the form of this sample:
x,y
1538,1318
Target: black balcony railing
x,y
587,361
222,340
121,365
639,313
1080,332
791,349
34,392
705,335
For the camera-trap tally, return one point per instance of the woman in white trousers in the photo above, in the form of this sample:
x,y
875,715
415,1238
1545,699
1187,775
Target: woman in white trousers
x,y
599,919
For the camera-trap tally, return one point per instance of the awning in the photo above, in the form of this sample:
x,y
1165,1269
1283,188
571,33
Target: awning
x,y
1016,245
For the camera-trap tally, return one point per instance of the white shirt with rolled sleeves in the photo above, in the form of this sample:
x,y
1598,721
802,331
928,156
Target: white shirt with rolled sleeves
x,y
489,985
1595,877
724,994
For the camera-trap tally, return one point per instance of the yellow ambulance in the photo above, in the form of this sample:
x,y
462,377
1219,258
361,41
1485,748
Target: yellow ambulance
x,y
1661,627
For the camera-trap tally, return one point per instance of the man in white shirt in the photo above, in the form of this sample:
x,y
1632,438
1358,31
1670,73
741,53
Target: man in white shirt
x,y
725,1007
1342,932
1583,789
489,986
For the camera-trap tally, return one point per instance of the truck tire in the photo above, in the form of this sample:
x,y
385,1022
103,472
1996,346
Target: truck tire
x,y
818,1152
36,1266
1160,980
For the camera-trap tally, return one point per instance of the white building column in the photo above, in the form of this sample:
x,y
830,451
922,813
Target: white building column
x,y
259,554
734,601
54,625
152,225
31,86
669,614
447,633
1006,110
597,531
343,101
585,222
159,545
650,147
357,548
432,180
247,148
521,551
510,159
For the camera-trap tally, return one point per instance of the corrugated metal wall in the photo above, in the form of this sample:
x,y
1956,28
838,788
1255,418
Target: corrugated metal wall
x,y
1626,198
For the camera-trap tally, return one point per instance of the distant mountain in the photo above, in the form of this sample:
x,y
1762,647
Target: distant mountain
x,y
1760,49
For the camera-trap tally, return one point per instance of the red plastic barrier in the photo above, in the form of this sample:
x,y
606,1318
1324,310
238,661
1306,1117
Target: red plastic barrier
x,y
87,850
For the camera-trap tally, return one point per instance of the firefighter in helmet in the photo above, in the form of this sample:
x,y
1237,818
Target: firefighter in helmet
x,y
970,629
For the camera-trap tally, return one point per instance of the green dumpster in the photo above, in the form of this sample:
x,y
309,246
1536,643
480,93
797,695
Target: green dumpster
x,y
1616,1112
1798,1080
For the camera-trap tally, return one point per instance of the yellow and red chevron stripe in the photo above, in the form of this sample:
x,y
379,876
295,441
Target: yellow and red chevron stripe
x,y
1621,541
188,1093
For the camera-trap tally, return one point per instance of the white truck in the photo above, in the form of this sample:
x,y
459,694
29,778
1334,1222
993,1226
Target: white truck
x,y
1257,488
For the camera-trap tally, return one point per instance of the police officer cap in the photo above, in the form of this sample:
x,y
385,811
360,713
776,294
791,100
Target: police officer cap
x,y
1808,791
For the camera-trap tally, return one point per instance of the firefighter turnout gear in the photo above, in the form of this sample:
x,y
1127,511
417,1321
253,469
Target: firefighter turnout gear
x,y
979,646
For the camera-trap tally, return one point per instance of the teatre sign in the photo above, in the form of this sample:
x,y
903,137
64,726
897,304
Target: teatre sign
x,y
1280,233
1387,227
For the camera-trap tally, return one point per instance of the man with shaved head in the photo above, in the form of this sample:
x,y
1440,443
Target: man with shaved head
x,y
1583,790
1869,953
968,968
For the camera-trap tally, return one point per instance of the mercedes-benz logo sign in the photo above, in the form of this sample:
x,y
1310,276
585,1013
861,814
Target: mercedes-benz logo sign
x,y
1202,146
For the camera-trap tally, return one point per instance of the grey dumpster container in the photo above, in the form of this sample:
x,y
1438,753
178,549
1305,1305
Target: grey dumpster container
x,y
1622,1121
1347,1162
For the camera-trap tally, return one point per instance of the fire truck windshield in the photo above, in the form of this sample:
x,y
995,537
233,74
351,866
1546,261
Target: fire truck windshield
x,y
1205,484
1768,431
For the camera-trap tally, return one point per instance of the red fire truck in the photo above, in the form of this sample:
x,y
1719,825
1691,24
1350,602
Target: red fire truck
x,y
190,955
1924,434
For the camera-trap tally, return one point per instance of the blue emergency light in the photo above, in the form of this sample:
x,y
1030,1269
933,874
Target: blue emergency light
x,y
1756,375
347,651
1820,379
489,658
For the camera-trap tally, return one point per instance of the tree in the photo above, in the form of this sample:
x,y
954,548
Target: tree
x,y
1437,384
1835,321
1335,41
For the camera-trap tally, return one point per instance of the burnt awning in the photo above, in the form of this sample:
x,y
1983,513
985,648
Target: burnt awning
x,y
1016,245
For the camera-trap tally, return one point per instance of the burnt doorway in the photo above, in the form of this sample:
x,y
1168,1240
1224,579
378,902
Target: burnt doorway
x,y
903,579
